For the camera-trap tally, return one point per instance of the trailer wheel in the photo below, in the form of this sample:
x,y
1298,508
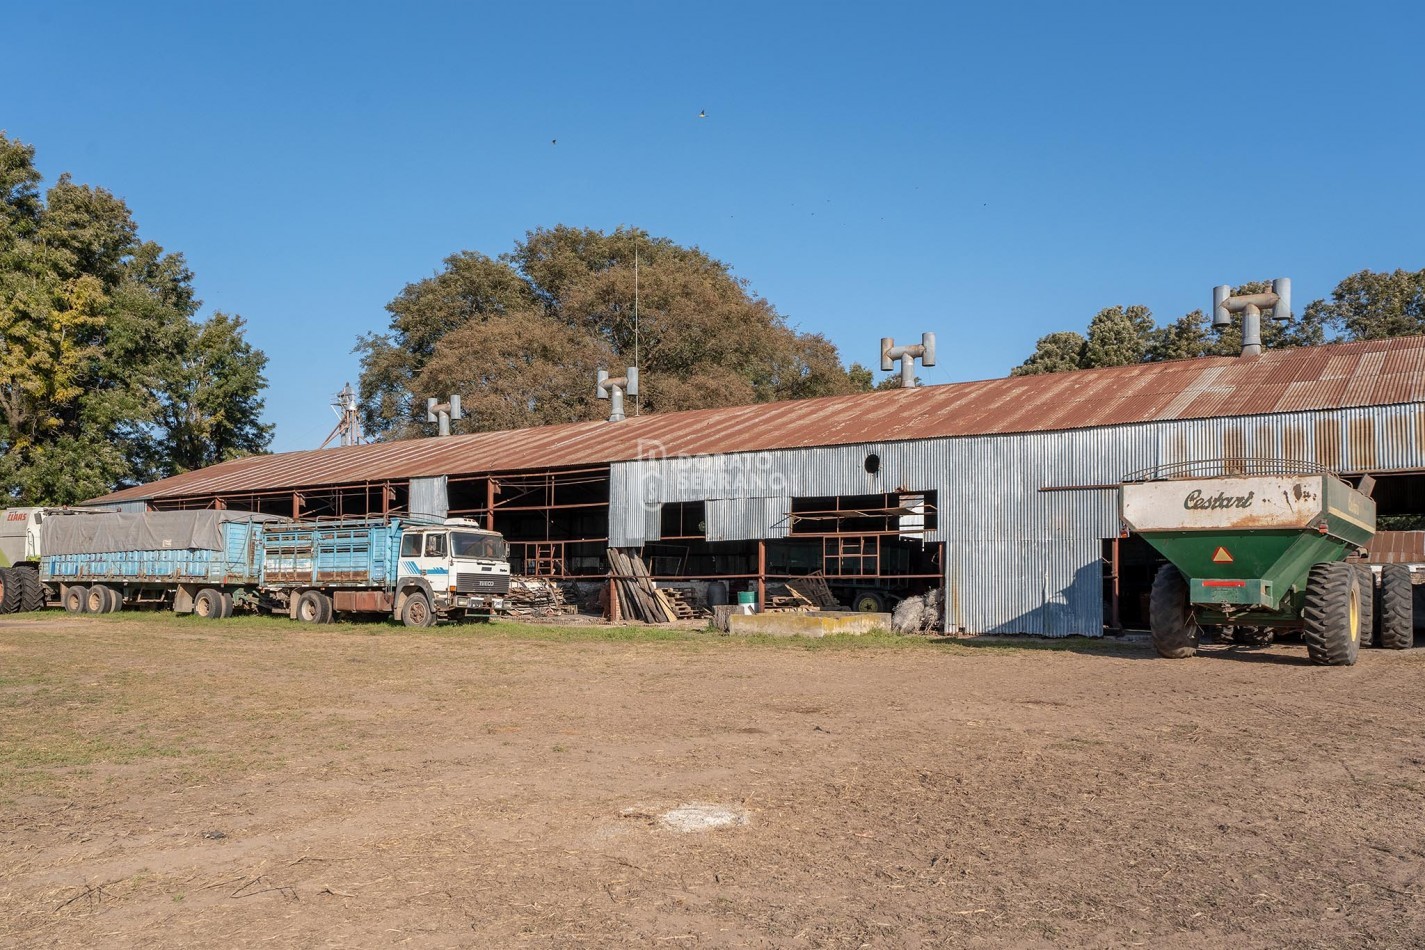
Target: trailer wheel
x,y
116,600
1332,616
1366,579
1397,608
208,604
97,601
9,591
416,612
227,604
32,592
868,602
76,599
1170,616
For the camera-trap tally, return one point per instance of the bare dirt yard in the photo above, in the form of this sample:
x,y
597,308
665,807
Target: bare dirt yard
x,y
171,782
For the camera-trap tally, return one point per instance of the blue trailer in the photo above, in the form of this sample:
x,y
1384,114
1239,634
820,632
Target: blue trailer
x,y
210,563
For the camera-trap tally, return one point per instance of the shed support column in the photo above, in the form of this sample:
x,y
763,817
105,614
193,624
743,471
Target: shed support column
x,y
296,506
490,506
1115,621
761,576
615,615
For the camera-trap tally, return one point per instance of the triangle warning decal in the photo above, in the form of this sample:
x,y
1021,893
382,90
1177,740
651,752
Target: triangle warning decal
x,y
1220,556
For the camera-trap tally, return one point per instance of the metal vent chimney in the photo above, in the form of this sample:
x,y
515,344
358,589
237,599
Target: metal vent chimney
x,y
443,412
1250,306
613,388
925,349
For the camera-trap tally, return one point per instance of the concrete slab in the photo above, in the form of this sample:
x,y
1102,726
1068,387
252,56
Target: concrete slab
x,y
820,623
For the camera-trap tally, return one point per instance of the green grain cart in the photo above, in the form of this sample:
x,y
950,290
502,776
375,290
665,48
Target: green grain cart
x,y
1261,550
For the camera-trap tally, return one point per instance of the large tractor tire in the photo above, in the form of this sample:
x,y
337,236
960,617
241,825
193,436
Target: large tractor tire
x,y
32,592
9,590
1366,578
1331,619
1170,616
1397,608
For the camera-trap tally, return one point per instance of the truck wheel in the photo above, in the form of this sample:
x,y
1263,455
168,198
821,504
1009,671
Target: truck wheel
x,y
1366,579
1170,615
868,602
227,604
9,591
32,592
1397,608
76,599
1331,619
208,604
314,607
416,612
116,600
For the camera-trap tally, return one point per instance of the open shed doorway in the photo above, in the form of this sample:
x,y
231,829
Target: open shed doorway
x,y
1129,566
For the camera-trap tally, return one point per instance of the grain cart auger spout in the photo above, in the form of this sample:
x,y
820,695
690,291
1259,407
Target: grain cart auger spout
x,y
1245,549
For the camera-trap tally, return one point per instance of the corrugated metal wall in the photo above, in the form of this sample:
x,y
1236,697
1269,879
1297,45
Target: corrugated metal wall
x,y
430,497
1018,559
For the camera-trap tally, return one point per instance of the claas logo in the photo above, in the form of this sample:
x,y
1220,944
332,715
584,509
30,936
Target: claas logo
x,y
16,516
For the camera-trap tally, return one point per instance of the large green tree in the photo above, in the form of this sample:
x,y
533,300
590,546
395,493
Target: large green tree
x,y
105,376
520,337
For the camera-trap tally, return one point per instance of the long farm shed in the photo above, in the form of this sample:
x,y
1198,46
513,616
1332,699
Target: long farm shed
x,y
1002,490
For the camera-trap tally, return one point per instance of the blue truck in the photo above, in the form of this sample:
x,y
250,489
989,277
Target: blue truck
x,y
211,563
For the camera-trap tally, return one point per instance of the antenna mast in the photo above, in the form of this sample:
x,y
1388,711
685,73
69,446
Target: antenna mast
x,y
348,424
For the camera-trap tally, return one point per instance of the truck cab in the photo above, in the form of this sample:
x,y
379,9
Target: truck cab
x,y
461,567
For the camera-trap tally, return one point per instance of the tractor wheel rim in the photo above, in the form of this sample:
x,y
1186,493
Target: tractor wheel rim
x,y
1354,619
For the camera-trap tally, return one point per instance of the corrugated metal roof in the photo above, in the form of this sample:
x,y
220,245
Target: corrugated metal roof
x,y
1377,372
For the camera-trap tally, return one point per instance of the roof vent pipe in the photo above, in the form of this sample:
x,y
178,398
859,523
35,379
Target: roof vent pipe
x,y
925,349
443,412
1250,306
613,388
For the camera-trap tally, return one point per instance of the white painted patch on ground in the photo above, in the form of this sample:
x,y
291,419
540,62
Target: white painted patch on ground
x,y
699,816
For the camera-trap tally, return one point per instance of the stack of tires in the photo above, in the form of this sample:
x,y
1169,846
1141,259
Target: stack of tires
x,y
20,590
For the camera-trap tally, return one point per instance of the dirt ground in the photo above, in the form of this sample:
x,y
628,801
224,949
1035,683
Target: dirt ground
x,y
175,783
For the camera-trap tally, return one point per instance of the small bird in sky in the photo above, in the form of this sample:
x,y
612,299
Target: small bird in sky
x,y
553,141
703,114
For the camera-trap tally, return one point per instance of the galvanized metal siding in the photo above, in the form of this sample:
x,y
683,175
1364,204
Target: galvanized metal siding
x,y
735,519
430,497
1034,548
1047,588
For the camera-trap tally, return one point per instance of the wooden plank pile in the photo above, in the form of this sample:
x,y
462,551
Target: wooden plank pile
x,y
638,598
812,591
536,597
685,602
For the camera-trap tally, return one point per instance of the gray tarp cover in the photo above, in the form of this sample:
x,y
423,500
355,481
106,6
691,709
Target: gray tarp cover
x,y
145,531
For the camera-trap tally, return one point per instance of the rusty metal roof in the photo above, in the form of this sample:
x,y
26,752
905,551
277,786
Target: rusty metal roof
x,y
1377,372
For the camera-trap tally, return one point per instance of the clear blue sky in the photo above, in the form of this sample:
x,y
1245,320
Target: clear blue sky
x,y
992,172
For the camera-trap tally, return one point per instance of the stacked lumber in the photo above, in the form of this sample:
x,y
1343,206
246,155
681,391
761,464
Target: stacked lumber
x,y
812,591
638,597
535,597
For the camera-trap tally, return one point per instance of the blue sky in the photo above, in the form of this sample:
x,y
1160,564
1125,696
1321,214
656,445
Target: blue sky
x,y
992,172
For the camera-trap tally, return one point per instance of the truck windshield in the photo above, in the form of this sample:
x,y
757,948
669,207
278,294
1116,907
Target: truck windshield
x,y
467,544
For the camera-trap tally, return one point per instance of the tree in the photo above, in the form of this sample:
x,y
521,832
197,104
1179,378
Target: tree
x,y
1054,353
1372,306
1121,336
520,337
98,346
1118,336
